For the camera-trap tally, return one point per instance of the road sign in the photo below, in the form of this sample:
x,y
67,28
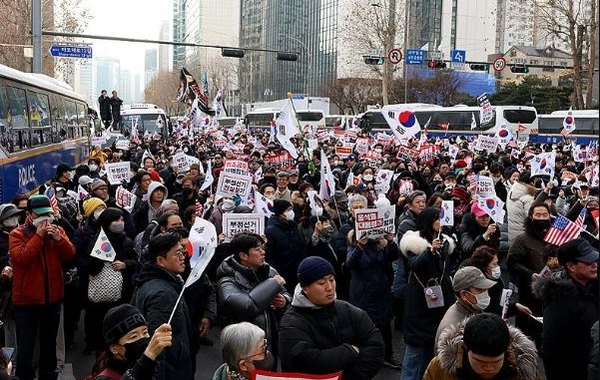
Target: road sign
x,y
298,96
71,51
499,64
415,56
458,56
395,56
436,55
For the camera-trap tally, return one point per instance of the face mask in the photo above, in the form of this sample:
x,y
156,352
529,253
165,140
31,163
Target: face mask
x,y
496,272
97,213
228,205
135,350
478,167
41,219
11,222
93,167
368,177
187,192
483,300
316,212
541,225
117,227
267,363
289,215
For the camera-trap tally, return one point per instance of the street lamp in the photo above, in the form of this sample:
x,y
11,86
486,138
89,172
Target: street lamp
x,y
308,57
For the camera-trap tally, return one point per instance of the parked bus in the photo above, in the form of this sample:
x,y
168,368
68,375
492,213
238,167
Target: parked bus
x,y
263,119
43,123
586,127
147,118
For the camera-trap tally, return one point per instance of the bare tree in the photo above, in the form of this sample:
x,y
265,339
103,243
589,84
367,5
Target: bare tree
x,y
353,95
72,16
162,91
441,89
575,23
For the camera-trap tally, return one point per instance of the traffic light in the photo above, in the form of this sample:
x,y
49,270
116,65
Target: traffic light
x,y
287,56
519,69
479,67
436,64
235,53
373,60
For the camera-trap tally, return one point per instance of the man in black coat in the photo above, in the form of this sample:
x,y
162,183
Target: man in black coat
x,y
320,335
115,105
105,110
570,304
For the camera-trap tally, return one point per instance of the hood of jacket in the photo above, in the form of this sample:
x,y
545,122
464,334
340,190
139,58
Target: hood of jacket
x,y
152,272
300,300
412,242
521,355
156,185
230,266
558,285
519,190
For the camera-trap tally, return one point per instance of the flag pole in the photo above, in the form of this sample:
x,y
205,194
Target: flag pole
x,y
176,304
311,165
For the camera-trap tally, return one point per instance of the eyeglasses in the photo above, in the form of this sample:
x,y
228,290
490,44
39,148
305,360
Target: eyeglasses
x,y
263,351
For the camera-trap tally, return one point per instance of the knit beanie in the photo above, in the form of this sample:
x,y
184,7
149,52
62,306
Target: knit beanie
x,y
120,320
280,205
91,204
97,184
313,268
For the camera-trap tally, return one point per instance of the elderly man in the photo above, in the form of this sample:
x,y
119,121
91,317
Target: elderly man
x,y
320,334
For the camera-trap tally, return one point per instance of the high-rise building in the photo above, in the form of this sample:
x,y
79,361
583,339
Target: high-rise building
x,y
179,33
126,88
85,80
150,65
108,74
137,88
515,24
163,50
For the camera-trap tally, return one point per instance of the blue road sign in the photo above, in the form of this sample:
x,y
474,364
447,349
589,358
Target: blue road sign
x,y
298,96
458,56
415,56
69,51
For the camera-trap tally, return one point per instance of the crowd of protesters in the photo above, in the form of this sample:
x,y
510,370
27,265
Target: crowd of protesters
x,y
307,295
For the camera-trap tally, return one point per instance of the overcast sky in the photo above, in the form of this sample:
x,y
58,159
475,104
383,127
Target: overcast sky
x,y
126,18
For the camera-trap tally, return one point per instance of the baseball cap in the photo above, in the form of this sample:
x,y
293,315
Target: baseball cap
x,y
62,168
293,172
477,211
39,204
85,180
577,250
350,157
7,210
469,276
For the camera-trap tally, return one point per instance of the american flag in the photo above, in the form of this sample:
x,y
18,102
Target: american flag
x,y
563,230
199,209
49,192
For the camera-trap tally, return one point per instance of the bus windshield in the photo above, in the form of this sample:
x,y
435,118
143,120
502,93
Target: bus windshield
x,y
309,115
151,123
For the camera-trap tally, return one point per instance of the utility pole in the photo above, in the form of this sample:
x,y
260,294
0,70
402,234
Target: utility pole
x,y
405,66
389,40
36,29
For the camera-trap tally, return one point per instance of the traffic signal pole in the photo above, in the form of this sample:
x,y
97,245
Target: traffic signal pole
x,y
36,29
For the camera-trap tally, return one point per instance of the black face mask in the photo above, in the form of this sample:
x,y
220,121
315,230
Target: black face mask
x,y
478,167
267,363
187,192
540,226
135,350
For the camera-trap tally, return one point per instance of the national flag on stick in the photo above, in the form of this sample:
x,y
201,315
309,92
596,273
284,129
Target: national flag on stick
x,y
49,192
563,230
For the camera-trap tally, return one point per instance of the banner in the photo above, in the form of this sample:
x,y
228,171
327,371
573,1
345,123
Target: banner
x,y
489,144
343,151
485,109
234,224
402,121
374,222
125,199
237,167
543,164
447,213
117,172
181,164
230,185
282,160
266,375
103,249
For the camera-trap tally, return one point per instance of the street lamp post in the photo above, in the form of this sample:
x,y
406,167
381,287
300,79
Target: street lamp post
x,y
308,57
405,66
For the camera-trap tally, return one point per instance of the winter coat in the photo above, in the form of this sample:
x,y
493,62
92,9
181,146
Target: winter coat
x,y
142,370
115,105
425,269
245,294
319,340
142,216
156,293
471,236
105,111
452,363
570,311
371,278
455,314
518,201
284,249
594,359
38,266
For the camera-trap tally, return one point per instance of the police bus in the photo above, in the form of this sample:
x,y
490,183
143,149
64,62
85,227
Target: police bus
x,y
586,127
43,123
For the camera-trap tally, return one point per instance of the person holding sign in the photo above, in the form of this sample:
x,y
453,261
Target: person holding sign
x,y
429,290
476,231
320,334
250,289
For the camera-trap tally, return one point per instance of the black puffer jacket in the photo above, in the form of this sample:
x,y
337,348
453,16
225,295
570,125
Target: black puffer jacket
x,y
284,249
570,311
471,236
319,340
156,294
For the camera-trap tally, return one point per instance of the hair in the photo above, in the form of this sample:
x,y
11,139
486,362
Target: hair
x,y
18,198
188,213
486,334
108,216
140,174
161,244
164,218
433,198
356,198
238,341
164,206
482,257
264,187
425,222
243,242
190,178
537,204
411,197
180,231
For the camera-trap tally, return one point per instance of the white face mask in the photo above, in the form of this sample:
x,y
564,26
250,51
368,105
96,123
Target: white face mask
x,y
11,222
93,167
289,215
368,177
41,219
496,272
483,300
97,213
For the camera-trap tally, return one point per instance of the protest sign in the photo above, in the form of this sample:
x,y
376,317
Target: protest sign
x,y
362,145
267,375
98,140
117,172
230,185
351,135
343,151
312,143
485,187
122,144
485,109
181,162
374,222
220,143
489,144
234,224
238,167
125,199
407,153
282,160
427,153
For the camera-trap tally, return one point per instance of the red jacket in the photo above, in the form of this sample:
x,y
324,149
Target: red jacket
x,y
37,266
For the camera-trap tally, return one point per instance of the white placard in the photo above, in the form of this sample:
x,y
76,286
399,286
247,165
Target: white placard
x,y
374,222
117,172
122,144
485,186
234,224
237,167
230,185
489,144
98,140
181,162
125,198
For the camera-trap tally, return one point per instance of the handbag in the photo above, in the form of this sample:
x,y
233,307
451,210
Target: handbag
x,y
106,286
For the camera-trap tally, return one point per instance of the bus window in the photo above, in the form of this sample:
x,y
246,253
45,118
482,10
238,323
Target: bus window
x,y
548,125
82,119
5,141
40,118
151,123
59,129
19,121
309,116
519,116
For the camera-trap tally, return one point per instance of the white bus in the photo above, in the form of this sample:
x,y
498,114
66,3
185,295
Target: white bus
x,y
263,119
586,127
147,118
